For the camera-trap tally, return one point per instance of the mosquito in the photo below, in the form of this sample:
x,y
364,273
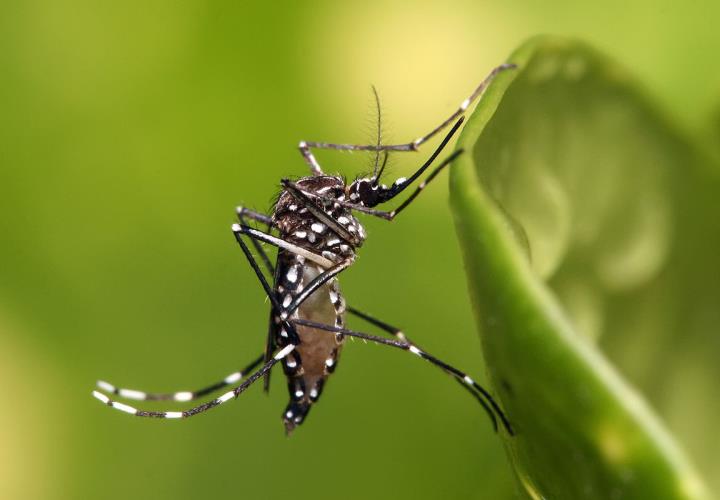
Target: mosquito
x,y
317,236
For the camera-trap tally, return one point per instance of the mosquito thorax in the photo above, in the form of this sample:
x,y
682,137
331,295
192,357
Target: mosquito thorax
x,y
298,224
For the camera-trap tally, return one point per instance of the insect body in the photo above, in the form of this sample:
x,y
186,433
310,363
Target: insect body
x,y
317,353
317,238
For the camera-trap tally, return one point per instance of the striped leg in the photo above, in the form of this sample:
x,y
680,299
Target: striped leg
x,y
241,229
462,377
180,395
205,406
473,389
271,269
395,332
332,268
309,158
305,147
285,310
245,213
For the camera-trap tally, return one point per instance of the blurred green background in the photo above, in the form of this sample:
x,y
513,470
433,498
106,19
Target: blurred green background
x,y
128,134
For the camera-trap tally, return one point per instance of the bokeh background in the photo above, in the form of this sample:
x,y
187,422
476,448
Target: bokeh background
x,y
128,133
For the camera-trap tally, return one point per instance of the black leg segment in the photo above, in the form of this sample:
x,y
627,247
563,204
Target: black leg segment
x,y
406,346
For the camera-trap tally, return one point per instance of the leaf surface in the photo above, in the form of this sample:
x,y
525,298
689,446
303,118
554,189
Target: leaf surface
x,y
565,196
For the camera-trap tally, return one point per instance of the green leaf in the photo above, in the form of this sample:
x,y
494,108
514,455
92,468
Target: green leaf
x,y
565,198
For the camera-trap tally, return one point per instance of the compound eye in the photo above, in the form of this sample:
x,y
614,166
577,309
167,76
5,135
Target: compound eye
x,y
364,189
367,193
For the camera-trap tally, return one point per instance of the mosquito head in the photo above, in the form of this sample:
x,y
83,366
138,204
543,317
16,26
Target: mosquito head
x,y
364,192
367,192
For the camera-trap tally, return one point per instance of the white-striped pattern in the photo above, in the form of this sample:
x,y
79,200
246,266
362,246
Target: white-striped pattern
x,y
233,377
226,396
105,386
132,394
184,395
124,407
101,397
181,396
194,411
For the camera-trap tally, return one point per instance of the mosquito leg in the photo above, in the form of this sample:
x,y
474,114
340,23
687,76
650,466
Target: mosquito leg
x,y
205,406
400,335
292,333
410,146
240,229
192,395
332,268
395,332
407,346
242,213
465,104
180,395
285,310
253,263
289,328
310,158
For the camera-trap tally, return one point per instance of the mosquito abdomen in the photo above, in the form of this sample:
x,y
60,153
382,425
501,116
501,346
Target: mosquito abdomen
x,y
316,356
